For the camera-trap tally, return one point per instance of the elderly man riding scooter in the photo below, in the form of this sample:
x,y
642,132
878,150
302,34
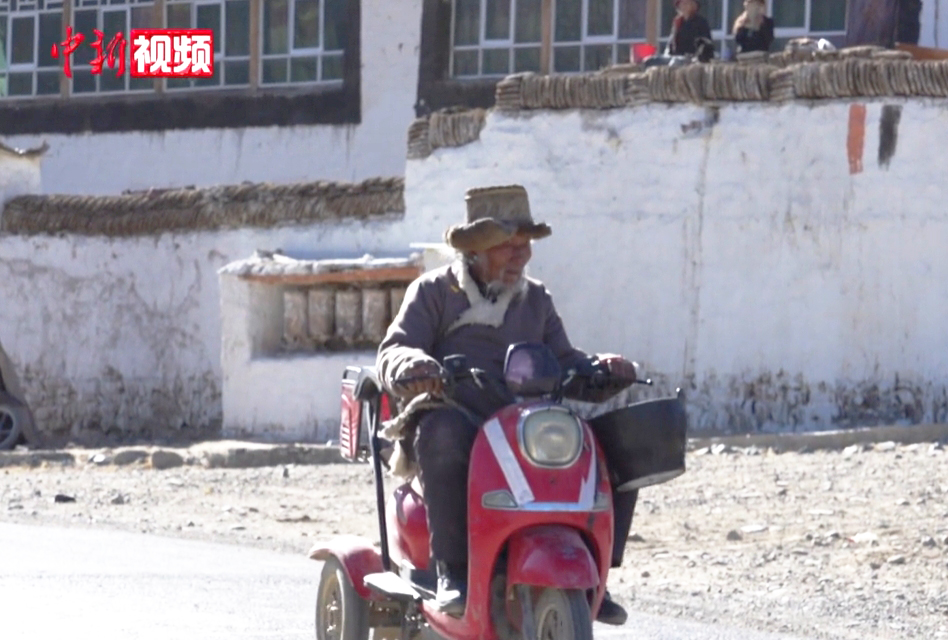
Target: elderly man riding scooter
x,y
478,307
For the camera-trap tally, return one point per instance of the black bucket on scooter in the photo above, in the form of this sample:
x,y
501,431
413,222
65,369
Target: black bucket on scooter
x,y
644,443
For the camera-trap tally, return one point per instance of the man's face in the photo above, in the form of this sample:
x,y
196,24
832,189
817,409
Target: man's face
x,y
686,7
505,262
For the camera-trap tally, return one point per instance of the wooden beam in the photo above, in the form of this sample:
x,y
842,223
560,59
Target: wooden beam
x,y
355,276
652,20
546,39
923,53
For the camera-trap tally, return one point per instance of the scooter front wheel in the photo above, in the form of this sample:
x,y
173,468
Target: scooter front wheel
x,y
562,614
341,613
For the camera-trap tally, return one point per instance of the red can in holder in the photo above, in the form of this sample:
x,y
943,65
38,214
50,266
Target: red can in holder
x,y
639,51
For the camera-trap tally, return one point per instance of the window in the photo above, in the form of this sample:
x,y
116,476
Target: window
x,y
497,37
303,41
298,42
230,22
792,19
493,38
28,31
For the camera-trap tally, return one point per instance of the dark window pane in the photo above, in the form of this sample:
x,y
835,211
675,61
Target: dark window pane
x,y
497,20
467,22
668,14
789,13
83,82
21,50
569,21
50,32
275,26
209,17
334,36
274,70
465,63
304,69
623,53
143,18
527,59
3,51
332,68
237,29
21,84
596,57
600,18
496,62
140,84
734,9
527,23
828,15
632,18
47,83
565,59
237,72
108,81
112,22
713,10
179,16
306,25
86,22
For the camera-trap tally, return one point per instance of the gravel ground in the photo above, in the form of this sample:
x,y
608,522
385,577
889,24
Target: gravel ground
x,y
841,544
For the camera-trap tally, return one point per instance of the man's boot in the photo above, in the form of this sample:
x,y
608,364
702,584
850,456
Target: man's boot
x,y
452,589
611,612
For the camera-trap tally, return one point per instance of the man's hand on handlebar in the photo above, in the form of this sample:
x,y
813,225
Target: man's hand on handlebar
x,y
425,376
619,368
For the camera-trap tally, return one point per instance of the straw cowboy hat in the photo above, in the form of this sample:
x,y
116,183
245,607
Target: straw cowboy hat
x,y
495,215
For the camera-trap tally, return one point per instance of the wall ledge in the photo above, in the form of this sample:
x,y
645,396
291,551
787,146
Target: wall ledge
x,y
155,211
857,72
446,128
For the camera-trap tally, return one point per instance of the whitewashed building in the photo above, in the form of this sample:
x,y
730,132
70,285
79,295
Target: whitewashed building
x,y
317,89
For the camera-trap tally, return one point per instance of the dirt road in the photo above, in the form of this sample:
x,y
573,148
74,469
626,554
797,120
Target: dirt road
x,y
842,544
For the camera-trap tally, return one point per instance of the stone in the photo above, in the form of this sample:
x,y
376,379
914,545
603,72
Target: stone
x,y
720,449
898,559
754,528
928,541
636,538
866,537
903,502
396,295
162,459
646,574
885,446
375,309
702,451
63,498
348,314
852,450
129,456
321,313
295,323
734,535
118,499
100,459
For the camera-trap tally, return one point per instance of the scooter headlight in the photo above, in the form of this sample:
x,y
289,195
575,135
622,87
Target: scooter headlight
x,y
551,438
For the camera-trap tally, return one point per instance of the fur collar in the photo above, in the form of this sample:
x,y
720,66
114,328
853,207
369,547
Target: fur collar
x,y
482,310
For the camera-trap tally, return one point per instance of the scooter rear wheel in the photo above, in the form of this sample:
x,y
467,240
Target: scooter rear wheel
x,y
562,615
341,613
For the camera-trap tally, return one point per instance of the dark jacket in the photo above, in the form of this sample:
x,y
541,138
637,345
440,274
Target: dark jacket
x,y
755,39
684,40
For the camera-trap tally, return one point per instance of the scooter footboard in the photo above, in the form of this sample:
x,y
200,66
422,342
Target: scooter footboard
x,y
551,556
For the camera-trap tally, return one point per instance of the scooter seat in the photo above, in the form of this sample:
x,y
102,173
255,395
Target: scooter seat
x,y
368,386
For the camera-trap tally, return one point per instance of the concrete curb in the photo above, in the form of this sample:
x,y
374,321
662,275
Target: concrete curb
x,y
235,454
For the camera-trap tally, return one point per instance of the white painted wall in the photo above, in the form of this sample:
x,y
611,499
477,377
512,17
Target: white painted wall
x,y
110,163
125,334
745,264
19,175
275,397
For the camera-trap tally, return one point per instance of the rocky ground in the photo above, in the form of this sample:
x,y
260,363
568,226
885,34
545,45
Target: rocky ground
x,y
829,544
